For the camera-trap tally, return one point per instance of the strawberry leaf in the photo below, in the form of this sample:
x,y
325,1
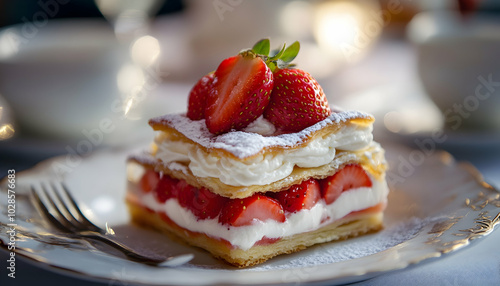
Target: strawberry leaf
x,y
279,54
291,52
262,47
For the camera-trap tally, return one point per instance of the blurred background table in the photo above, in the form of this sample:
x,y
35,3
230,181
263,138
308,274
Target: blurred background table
x,y
381,68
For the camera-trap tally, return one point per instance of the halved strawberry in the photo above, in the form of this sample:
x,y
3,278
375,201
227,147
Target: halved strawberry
x,y
240,92
149,180
185,194
297,101
198,97
166,188
239,212
301,196
207,204
350,177
201,202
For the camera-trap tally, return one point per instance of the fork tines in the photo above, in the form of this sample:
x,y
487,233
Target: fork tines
x,y
61,211
55,203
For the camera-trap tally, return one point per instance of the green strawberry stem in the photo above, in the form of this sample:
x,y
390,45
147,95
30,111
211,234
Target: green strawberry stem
x,y
281,58
249,54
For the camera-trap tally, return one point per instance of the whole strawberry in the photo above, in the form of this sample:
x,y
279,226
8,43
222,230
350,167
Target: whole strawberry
x,y
241,89
198,97
297,101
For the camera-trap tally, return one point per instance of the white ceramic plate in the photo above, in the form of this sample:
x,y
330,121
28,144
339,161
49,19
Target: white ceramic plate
x,y
435,207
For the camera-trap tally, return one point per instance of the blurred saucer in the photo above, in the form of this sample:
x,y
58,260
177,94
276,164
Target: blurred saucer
x,y
405,113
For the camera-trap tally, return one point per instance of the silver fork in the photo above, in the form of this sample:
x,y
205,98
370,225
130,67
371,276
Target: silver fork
x,y
69,219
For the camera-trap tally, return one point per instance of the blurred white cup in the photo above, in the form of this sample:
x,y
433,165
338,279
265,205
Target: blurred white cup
x,y
459,67
60,78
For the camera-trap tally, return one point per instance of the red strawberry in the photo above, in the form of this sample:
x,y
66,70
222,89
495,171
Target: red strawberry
x,y
239,212
149,180
166,188
198,97
350,177
297,101
301,196
240,92
207,204
186,194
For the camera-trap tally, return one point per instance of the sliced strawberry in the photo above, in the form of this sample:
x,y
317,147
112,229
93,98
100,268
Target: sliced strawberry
x,y
240,92
301,196
207,204
186,194
166,188
297,101
350,177
149,180
239,212
198,97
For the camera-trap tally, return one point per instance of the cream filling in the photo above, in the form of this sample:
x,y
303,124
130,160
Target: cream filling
x,y
266,168
244,237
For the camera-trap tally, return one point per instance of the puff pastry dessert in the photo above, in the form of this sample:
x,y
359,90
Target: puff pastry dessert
x,y
263,186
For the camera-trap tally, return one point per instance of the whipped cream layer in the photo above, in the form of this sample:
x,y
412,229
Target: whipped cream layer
x,y
244,237
261,169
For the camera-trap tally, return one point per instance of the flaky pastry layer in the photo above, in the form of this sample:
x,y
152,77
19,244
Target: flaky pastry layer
x,y
351,226
373,164
179,127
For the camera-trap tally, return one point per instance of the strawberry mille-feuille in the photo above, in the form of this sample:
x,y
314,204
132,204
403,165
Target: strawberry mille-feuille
x,y
260,165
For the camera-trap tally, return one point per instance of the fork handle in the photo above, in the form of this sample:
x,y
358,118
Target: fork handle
x,y
121,247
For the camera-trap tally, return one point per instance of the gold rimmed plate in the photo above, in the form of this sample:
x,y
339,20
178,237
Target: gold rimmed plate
x,y
436,206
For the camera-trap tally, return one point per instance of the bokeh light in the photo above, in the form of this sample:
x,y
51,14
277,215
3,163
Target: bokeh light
x,y
145,50
346,30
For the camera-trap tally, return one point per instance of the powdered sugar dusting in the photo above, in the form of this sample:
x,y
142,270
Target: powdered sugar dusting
x,y
245,144
144,158
147,159
325,254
